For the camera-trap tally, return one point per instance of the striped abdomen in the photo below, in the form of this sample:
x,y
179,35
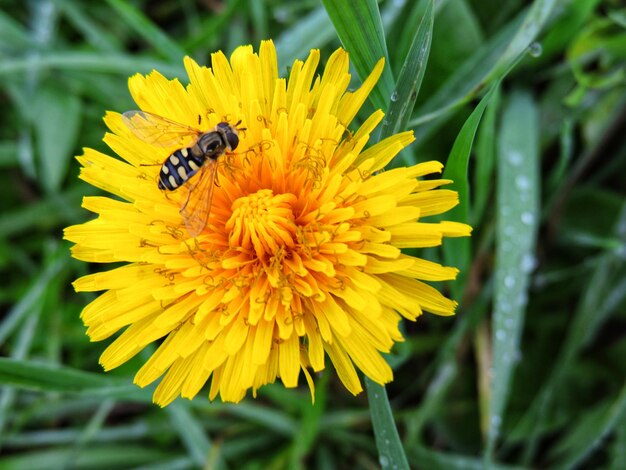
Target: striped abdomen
x,y
179,167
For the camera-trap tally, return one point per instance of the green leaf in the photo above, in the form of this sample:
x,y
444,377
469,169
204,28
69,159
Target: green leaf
x,y
602,294
12,33
24,341
8,154
310,423
190,433
422,457
457,250
94,425
485,160
410,79
31,299
101,456
537,17
360,28
211,28
313,30
143,26
53,378
618,448
590,430
124,64
52,211
516,229
275,420
78,15
54,149
390,451
490,62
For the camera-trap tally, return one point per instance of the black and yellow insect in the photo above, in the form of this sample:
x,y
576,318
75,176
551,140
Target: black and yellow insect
x,y
197,154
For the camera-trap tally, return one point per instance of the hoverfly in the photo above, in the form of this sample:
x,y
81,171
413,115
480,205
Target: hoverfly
x,y
198,152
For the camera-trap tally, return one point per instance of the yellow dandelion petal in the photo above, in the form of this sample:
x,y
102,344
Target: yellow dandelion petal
x,y
269,243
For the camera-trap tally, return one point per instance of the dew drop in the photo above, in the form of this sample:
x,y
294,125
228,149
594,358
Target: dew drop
x,y
527,218
496,421
515,158
500,335
535,49
522,299
620,251
509,281
281,15
394,96
522,182
529,263
384,461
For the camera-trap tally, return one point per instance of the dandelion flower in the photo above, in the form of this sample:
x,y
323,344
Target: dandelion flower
x,y
300,263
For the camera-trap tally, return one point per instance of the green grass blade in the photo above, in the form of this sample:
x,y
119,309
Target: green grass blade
x,y
407,87
211,28
360,28
103,456
94,425
24,341
310,427
446,365
430,404
537,17
599,299
590,430
422,457
55,210
31,299
618,448
52,378
123,64
54,148
490,62
466,81
13,33
313,30
457,250
485,160
190,432
8,154
390,451
151,33
93,32
276,420
517,218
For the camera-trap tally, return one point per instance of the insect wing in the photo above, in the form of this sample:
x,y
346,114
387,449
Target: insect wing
x,y
159,131
196,206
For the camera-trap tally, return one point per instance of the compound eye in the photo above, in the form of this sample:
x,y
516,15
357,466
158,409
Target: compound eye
x,y
233,140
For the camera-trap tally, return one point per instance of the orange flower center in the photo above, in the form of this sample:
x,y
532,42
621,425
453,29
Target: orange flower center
x,y
262,223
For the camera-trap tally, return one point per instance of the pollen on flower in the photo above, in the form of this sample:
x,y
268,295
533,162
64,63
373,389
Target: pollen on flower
x,y
300,259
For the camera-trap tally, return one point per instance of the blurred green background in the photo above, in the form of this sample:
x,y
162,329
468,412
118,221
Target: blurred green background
x,y
531,371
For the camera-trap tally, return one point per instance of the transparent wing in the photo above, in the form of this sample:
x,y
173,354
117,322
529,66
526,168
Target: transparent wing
x,y
160,131
196,205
